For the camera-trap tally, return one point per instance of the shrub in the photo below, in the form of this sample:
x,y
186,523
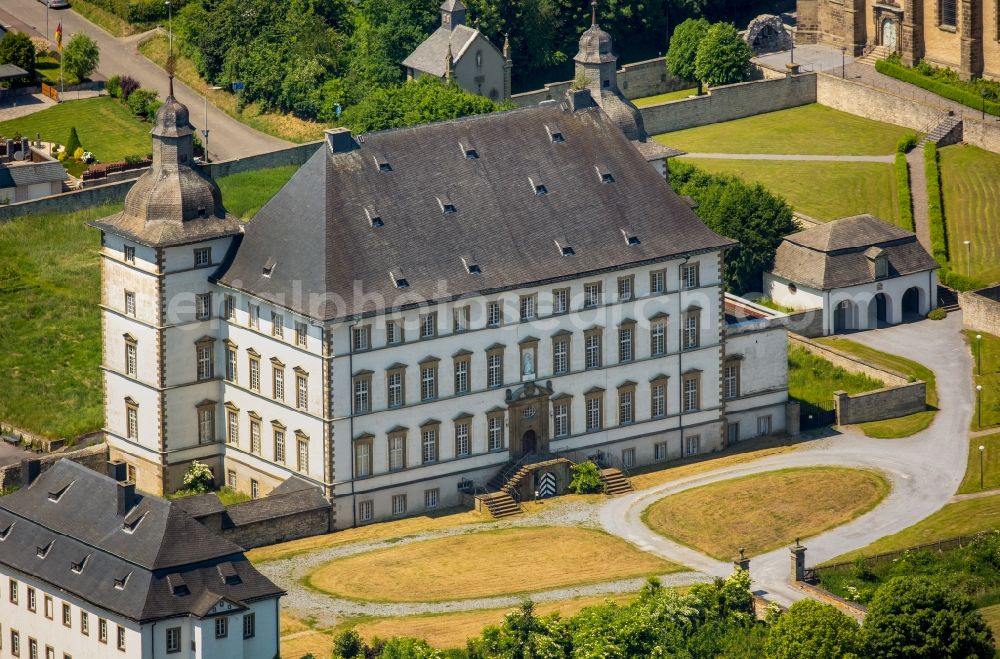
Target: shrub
x,y
903,192
937,314
140,100
906,143
129,85
114,86
73,143
78,154
132,159
199,478
348,644
958,281
586,478
940,84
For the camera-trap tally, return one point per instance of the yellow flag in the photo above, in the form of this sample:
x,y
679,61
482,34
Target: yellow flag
x,y
59,36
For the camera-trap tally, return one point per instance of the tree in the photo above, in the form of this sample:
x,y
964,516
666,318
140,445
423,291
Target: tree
x,y
523,635
684,48
198,478
80,56
745,212
16,48
348,644
73,142
723,56
586,478
814,630
921,617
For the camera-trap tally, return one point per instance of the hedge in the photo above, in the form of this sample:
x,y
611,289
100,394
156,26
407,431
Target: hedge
x,y
935,206
903,193
138,11
958,94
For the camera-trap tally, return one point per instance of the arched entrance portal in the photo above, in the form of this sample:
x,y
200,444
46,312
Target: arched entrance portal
x,y
878,310
843,316
889,34
528,414
529,442
911,301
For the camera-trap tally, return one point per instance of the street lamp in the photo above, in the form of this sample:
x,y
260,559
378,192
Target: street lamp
x,y
982,92
979,406
204,131
968,261
843,62
981,449
979,354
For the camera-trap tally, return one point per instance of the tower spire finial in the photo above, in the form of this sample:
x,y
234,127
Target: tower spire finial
x,y
593,12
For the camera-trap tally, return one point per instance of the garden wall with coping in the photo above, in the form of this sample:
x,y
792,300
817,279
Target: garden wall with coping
x,y
981,310
636,80
92,457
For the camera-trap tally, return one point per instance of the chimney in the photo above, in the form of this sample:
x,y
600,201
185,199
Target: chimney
x,y
118,470
25,147
30,469
340,140
126,498
579,99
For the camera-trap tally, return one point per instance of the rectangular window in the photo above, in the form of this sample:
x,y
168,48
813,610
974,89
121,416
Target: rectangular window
x,y
658,399
301,392
253,316
560,355
254,488
202,257
692,393
129,254
493,315
528,305
279,446
362,459
48,607
131,358
560,418
560,300
255,436
462,376
692,445
764,425
206,424
658,338
428,382
13,591
592,350
277,325
658,281
32,648
626,346
428,446
732,432
15,643
231,479
398,504
302,455
397,452
689,276
232,427
494,370
495,432
301,334
222,627
67,615
130,303
365,510
84,623
731,379
255,373
592,295
203,306
594,413
231,358
431,498
204,358
132,421
362,394
394,388
463,444
393,332
626,288
173,639
361,338
628,458
948,13
626,407
460,319
230,307
249,625
428,325
102,630
278,382
692,330
660,451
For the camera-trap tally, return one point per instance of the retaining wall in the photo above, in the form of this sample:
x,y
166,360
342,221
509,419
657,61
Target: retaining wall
x,y
981,310
849,363
807,323
278,529
881,404
92,457
731,102
636,80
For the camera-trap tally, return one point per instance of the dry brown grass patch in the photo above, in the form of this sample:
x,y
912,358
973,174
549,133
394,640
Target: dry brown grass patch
x,y
765,511
486,564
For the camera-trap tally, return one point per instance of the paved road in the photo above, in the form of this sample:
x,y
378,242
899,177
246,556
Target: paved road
x,y
925,470
228,138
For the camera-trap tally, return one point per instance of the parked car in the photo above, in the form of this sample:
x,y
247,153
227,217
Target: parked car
x,y
55,4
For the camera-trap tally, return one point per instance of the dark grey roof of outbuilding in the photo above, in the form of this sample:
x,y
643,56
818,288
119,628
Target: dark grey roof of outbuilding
x,y
317,235
29,173
430,55
8,71
837,254
82,526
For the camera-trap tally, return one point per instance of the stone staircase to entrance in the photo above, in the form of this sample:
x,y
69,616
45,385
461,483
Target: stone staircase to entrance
x,y
948,131
615,482
500,504
874,55
947,299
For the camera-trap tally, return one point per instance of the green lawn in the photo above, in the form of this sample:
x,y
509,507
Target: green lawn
x,y
902,426
806,130
104,18
663,98
960,518
812,381
824,190
989,361
106,128
969,178
47,66
49,291
991,465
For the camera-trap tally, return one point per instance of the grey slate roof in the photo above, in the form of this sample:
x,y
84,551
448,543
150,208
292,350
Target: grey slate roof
x,y
430,55
82,525
317,234
8,71
30,173
840,253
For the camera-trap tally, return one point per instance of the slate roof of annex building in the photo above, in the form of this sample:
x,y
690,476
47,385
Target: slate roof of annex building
x,y
506,192
841,253
152,562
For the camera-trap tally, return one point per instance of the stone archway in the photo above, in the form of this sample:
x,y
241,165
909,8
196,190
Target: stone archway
x,y
528,415
878,311
913,301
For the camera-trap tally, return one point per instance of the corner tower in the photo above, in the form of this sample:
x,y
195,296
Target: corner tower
x,y
159,319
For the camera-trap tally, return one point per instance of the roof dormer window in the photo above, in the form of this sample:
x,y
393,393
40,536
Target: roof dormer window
x,y
229,575
398,280
374,219
382,163
5,532
446,204
130,525
268,269
121,582
470,151
471,266
564,247
178,587
630,239
77,567
537,185
43,551
555,135
605,174
55,496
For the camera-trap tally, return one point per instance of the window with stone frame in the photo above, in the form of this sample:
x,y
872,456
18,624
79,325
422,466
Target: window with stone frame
x,y
393,332
131,356
278,435
658,335
395,386
231,478
660,452
253,358
230,307
628,458
460,317
431,498
277,379
691,391
626,342
397,451
206,423
692,328
561,410
494,431
130,303
592,340
302,453
494,315
128,253
594,408
249,625
592,296
232,425
301,389
205,358
255,433
363,461
362,392
202,257
277,325
528,307
429,380
428,325
203,306
461,364
658,397
361,338
626,288
254,488
494,368
173,639
626,404
131,419
301,334
692,445
232,358
560,353
365,511
731,378
253,316
463,437
657,281
560,301
398,504
948,13
690,276
429,444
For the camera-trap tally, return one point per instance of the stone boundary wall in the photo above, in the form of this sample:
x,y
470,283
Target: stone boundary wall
x,y
730,102
278,529
981,310
115,192
92,457
849,363
808,323
853,609
881,404
636,80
